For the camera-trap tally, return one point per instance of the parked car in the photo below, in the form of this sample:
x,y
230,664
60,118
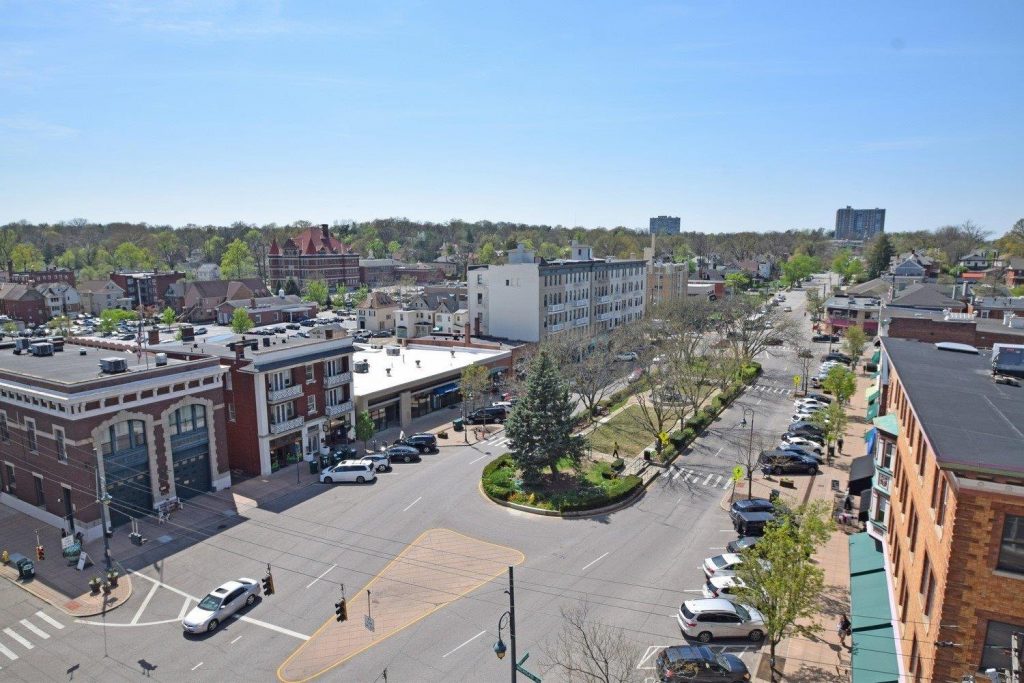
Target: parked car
x,y
787,309
280,329
349,471
487,415
123,337
424,443
381,333
803,414
811,450
293,326
835,355
722,565
379,461
635,375
752,523
800,426
698,664
787,462
626,356
724,587
400,453
825,338
361,339
718,618
308,322
804,439
750,505
740,544
199,331
220,604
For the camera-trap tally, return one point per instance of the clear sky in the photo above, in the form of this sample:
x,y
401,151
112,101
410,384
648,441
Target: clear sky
x,y
732,115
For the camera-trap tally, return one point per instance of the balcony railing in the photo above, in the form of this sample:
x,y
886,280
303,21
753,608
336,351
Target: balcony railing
x,y
605,316
340,409
604,299
337,380
286,426
557,327
580,322
580,303
293,391
556,308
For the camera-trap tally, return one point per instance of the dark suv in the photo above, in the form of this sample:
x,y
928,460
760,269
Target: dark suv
x,y
784,462
424,443
487,415
750,505
698,664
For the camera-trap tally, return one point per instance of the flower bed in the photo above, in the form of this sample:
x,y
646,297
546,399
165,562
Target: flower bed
x,y
596,485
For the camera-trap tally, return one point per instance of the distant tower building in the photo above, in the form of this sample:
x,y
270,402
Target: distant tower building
x,y
858,224
665,225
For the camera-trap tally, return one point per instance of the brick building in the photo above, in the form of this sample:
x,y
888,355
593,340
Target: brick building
x,y
25,277
146,288
948,511
268,310
313,254
201,298
24,303
154,427
963,328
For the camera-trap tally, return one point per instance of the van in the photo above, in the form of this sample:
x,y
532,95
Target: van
x,y
751,523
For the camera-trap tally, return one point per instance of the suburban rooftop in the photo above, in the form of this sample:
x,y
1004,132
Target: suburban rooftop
x,y
434,361
70,367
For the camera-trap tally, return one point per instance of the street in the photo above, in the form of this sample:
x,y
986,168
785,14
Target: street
x,y
633,567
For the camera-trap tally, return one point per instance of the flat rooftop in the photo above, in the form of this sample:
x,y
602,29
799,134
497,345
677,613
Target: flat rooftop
x,y
858,302
971,422
435,363
69,367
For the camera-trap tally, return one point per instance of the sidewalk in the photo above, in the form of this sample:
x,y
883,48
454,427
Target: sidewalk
x,y
820,658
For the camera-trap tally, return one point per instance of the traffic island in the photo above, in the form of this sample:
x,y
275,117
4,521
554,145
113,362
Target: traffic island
x,y
88,604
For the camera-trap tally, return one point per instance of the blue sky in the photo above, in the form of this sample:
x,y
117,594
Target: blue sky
x,y
732,115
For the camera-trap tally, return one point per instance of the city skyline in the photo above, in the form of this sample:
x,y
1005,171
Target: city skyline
x,y
731,117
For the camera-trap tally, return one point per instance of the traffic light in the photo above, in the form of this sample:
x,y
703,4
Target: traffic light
x,y
40,553
341,609
268,584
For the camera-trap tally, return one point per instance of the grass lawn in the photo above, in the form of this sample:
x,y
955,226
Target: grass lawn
x,y
622,428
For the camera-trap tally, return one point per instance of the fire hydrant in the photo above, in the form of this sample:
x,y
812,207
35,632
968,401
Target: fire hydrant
x,y
5,557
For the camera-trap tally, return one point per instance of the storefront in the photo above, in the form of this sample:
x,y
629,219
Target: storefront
x,y
385,415
285,450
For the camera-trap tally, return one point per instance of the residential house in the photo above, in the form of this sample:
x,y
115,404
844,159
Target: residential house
x,y
99,295
1015,272
208,271
61,298
24,303
913,265
432,314
996,306
313,254
268,310
928,296
377,312
979,259
202,297
842,312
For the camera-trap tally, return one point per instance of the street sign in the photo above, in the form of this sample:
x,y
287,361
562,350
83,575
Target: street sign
x,y
663,437
519,667
83,561
737,473
66,542
368,623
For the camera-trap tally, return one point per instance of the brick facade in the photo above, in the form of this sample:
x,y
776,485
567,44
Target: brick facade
x,y
962,332
313,254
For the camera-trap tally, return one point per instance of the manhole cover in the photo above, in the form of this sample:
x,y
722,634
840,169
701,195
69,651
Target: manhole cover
x,y
165,539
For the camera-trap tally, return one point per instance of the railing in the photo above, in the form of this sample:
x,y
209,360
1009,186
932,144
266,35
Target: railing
x,y
189,439
605,316
604,299
338,379
557,327
293,391
580,303
580,322
556,308
339,409
288,425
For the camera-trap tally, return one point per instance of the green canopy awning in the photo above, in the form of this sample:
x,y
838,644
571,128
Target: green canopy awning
x,y
888,424
876,356
872,411
871,393
874,642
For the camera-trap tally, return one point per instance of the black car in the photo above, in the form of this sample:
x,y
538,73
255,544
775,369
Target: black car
x,y
824,398
800,427
750,505
825,338
361,338
401,453
293,326
740,544
699,664
424,443
126,337
786,462
280,329
841,357
485,416
381,333
308,322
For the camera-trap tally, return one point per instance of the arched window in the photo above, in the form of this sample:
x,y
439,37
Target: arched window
x,y
187,419
123,436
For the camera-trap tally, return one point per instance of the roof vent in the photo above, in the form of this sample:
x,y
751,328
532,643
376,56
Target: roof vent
x,y
956,347
113,365
41,349
161,359
361,366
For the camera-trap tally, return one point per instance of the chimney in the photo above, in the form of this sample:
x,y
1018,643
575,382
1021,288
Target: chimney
x,y
252,302
239,351
465,334
326,234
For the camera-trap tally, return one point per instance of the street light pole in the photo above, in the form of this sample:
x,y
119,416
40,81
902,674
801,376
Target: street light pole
x,y
103,498
508,619
750,448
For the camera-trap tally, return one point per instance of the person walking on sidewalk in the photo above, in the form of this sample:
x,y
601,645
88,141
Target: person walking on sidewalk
x,y
844,629
840,442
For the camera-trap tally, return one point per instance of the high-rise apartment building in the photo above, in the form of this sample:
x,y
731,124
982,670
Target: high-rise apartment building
x,y
859,224
665,225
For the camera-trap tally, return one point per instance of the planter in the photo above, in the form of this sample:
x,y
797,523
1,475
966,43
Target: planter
x,y
787,483
94,584
442,435
112,578
107,588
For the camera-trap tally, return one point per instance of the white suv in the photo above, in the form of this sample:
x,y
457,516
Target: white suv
x,y
718,618
358,471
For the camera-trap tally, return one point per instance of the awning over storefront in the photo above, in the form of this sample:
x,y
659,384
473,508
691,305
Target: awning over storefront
x,y
876,356
871,393
446,388
888,424
872,410
874,642
869,438
861,471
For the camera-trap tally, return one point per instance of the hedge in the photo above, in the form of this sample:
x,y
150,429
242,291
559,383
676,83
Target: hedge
x,y
607,488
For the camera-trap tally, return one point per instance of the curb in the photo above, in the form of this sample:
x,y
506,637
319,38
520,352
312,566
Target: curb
x,y
541,512
71,606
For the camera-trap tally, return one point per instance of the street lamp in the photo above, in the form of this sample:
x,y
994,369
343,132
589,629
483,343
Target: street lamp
x,y
750,447
499,647
508,619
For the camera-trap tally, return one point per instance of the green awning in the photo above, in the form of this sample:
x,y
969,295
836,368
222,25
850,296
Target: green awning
x,y
874,642
871,393
876,356
888,424
872,411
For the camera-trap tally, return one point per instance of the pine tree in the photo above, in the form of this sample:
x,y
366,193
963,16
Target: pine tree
x,y
881,253
540,427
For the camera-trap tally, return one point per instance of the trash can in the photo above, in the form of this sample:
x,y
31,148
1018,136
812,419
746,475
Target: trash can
x,y
457,424
314,466
26,568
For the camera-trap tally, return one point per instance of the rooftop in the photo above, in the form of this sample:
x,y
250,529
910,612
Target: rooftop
x,y
852,303
280,351
927,295
971,422
435,362
68,367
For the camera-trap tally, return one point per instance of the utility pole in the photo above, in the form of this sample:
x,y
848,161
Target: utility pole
x,y
1017,657
512,621
103,498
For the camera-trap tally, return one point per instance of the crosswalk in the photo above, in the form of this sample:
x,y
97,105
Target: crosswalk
x,y
498,441
26,630
767,389
688,476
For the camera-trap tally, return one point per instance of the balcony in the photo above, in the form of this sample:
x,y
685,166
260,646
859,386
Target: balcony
x,y
286,426
557,327
581,303
337,380
293,391
606,316
340,409
604,299
580,322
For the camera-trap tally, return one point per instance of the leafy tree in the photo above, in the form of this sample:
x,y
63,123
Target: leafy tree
x,y
841,383
168,316
240,321
237,261
393,247
10,327
317,290
832,420
805,357
291,287
8,241
583,361
61,323
737,281
213,249
1012,243
540,426
815,304
879,255
169,247
130,256
487,254
847,265
359,296
799,267
781,581
474,384
376,247
365,427
112,317
26,256
855,341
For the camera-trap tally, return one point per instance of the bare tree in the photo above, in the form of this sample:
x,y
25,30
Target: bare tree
x,y
750,331
806,359
656,402
589,651
587,366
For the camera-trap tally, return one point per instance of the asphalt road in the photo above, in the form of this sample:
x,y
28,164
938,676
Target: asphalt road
x,y
633,568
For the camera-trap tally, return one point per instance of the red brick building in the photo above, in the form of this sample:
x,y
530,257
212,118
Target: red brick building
x,y
154,428
963,328
40,276
24,303
313,254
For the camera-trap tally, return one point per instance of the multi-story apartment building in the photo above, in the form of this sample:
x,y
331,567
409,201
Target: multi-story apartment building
x,y
530,299
146,288
665,225
99,295
842,312
152,426
61,298
313,254
26,277
859,224
948,512
285,398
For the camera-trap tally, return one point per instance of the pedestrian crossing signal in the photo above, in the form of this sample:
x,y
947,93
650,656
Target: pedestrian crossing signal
x,y
341,610
268,584
40,553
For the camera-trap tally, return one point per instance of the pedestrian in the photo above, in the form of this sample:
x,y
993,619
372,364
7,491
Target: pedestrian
x,y
844,629
615,451
840,445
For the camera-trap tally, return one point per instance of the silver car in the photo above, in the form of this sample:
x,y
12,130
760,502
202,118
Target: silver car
x,y
718,618
220,604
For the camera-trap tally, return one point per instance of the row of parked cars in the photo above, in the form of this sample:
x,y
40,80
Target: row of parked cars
x,y
364,470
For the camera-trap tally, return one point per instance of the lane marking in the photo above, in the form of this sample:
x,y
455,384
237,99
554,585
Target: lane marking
x,y
184,608
717,481
36,630
678,473
727,484
141,623
15,636
49,620
235,640
719,451
464,644
708,479
595,562
698,590
333,566
7,653
485,455
412,503
144,605
197,666
691,474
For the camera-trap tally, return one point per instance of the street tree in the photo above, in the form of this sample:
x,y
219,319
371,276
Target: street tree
x,y
879,255
847,265
737,282
237,261
317,291
584,362
748,331
854,342
61,324
168,316
240,321
656,404
692,384
841,383
799,267
590,651
805,357
540,426
815,304
365,428
359,296
782,582
832,421
474,384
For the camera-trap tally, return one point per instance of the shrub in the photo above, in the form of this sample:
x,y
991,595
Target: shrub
x,y
497,478
618,464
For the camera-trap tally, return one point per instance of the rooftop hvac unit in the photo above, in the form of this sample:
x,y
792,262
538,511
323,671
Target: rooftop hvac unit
x,y
393,351
21,344
161,359
41,349
113,365
362,366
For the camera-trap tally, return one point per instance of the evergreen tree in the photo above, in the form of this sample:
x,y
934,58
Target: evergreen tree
x,y
879,256
540,427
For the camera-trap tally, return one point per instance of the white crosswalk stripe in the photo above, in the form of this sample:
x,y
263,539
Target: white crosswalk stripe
x,y
14,636
7,653
49,620
35,629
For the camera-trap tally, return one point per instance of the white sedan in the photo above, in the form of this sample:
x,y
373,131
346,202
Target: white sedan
x,y
221,604
804,442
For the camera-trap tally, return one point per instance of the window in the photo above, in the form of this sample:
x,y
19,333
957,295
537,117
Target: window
x,y
1011,550
310,405
887,450
227,381
62,451
40,498
231,412
310,374
996,653
124,436
10,476
940,511
915,661
30,435
5,433
912,530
